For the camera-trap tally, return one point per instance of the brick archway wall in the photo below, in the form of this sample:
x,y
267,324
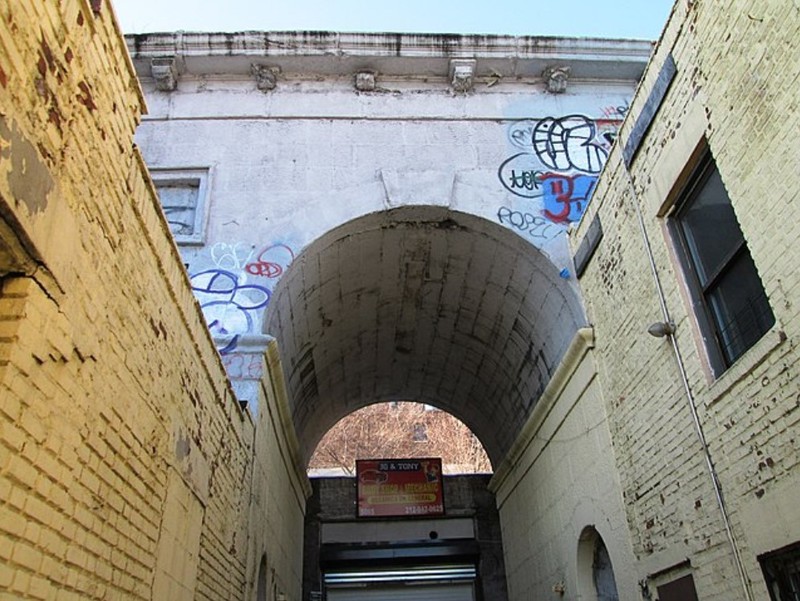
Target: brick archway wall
x,y
421,303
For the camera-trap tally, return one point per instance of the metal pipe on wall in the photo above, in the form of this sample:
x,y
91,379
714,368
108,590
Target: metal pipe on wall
x,y
698,426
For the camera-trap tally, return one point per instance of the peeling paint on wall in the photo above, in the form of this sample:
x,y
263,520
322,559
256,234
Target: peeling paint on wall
x,y
28,178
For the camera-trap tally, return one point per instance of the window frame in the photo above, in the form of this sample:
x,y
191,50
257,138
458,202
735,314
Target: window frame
x,y
199,177
700,292
774,569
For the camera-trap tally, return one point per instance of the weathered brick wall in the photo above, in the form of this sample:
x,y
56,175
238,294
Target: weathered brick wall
x,y
736,85
126,464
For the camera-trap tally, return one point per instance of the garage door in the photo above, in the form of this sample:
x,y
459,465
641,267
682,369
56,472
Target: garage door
x,y
460,591
454,582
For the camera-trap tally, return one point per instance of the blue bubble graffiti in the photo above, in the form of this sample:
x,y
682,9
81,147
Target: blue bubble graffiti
x,y
566,196
227,304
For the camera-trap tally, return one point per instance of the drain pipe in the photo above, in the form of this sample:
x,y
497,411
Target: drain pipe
x,y
669,332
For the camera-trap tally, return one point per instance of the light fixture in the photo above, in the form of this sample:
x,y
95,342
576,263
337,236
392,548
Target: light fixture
x,y
661,329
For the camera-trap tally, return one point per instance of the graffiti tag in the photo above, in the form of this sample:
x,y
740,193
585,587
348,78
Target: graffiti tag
x,y
616,112
242,365
231,257
535,226
521,174
520,134
271,261
558,162
568,143
566,196
227,304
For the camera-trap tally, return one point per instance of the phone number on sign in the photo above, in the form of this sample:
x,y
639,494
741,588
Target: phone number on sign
x,y
422,510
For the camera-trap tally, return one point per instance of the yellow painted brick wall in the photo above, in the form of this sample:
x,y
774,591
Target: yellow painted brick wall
x,y
126,464
736,85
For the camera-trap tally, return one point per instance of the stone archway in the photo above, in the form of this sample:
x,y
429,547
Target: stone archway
x,y
422,303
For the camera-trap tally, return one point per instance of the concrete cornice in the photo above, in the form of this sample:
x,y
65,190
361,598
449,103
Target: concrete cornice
x,y
390,54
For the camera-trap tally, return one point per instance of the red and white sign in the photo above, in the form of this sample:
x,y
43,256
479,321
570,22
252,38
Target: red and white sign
x,y
399,487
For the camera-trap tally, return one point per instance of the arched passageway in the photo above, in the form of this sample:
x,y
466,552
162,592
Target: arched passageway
x,y
399,429
421,303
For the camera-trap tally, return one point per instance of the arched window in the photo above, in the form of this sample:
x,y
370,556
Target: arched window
x,y
261,587
596,579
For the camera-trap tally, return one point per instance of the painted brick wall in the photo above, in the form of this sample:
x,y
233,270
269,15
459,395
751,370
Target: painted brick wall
x,y
736,85
126,464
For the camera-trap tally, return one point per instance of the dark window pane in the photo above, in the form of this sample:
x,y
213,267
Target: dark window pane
x,y
740,307
782,573
709,226
681,589
604,582
734,310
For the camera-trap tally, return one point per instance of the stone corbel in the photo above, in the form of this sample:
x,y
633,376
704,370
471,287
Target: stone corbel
x,y
365,81
165,73
462,74
555,78
266,77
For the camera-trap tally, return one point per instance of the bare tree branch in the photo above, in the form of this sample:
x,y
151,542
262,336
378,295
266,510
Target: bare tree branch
x,y
400,430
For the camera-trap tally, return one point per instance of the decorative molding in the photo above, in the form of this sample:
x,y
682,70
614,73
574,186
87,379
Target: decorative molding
x,y
393,56
165,73
365,81
556,79
462,74
266,77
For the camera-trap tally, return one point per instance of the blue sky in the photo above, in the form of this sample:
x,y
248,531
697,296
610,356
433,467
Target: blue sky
x,y
638,19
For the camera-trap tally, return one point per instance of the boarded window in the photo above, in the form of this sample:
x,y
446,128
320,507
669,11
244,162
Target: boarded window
x,y
179,202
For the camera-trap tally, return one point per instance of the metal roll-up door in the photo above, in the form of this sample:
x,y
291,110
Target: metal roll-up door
x,y
457,591
453,582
